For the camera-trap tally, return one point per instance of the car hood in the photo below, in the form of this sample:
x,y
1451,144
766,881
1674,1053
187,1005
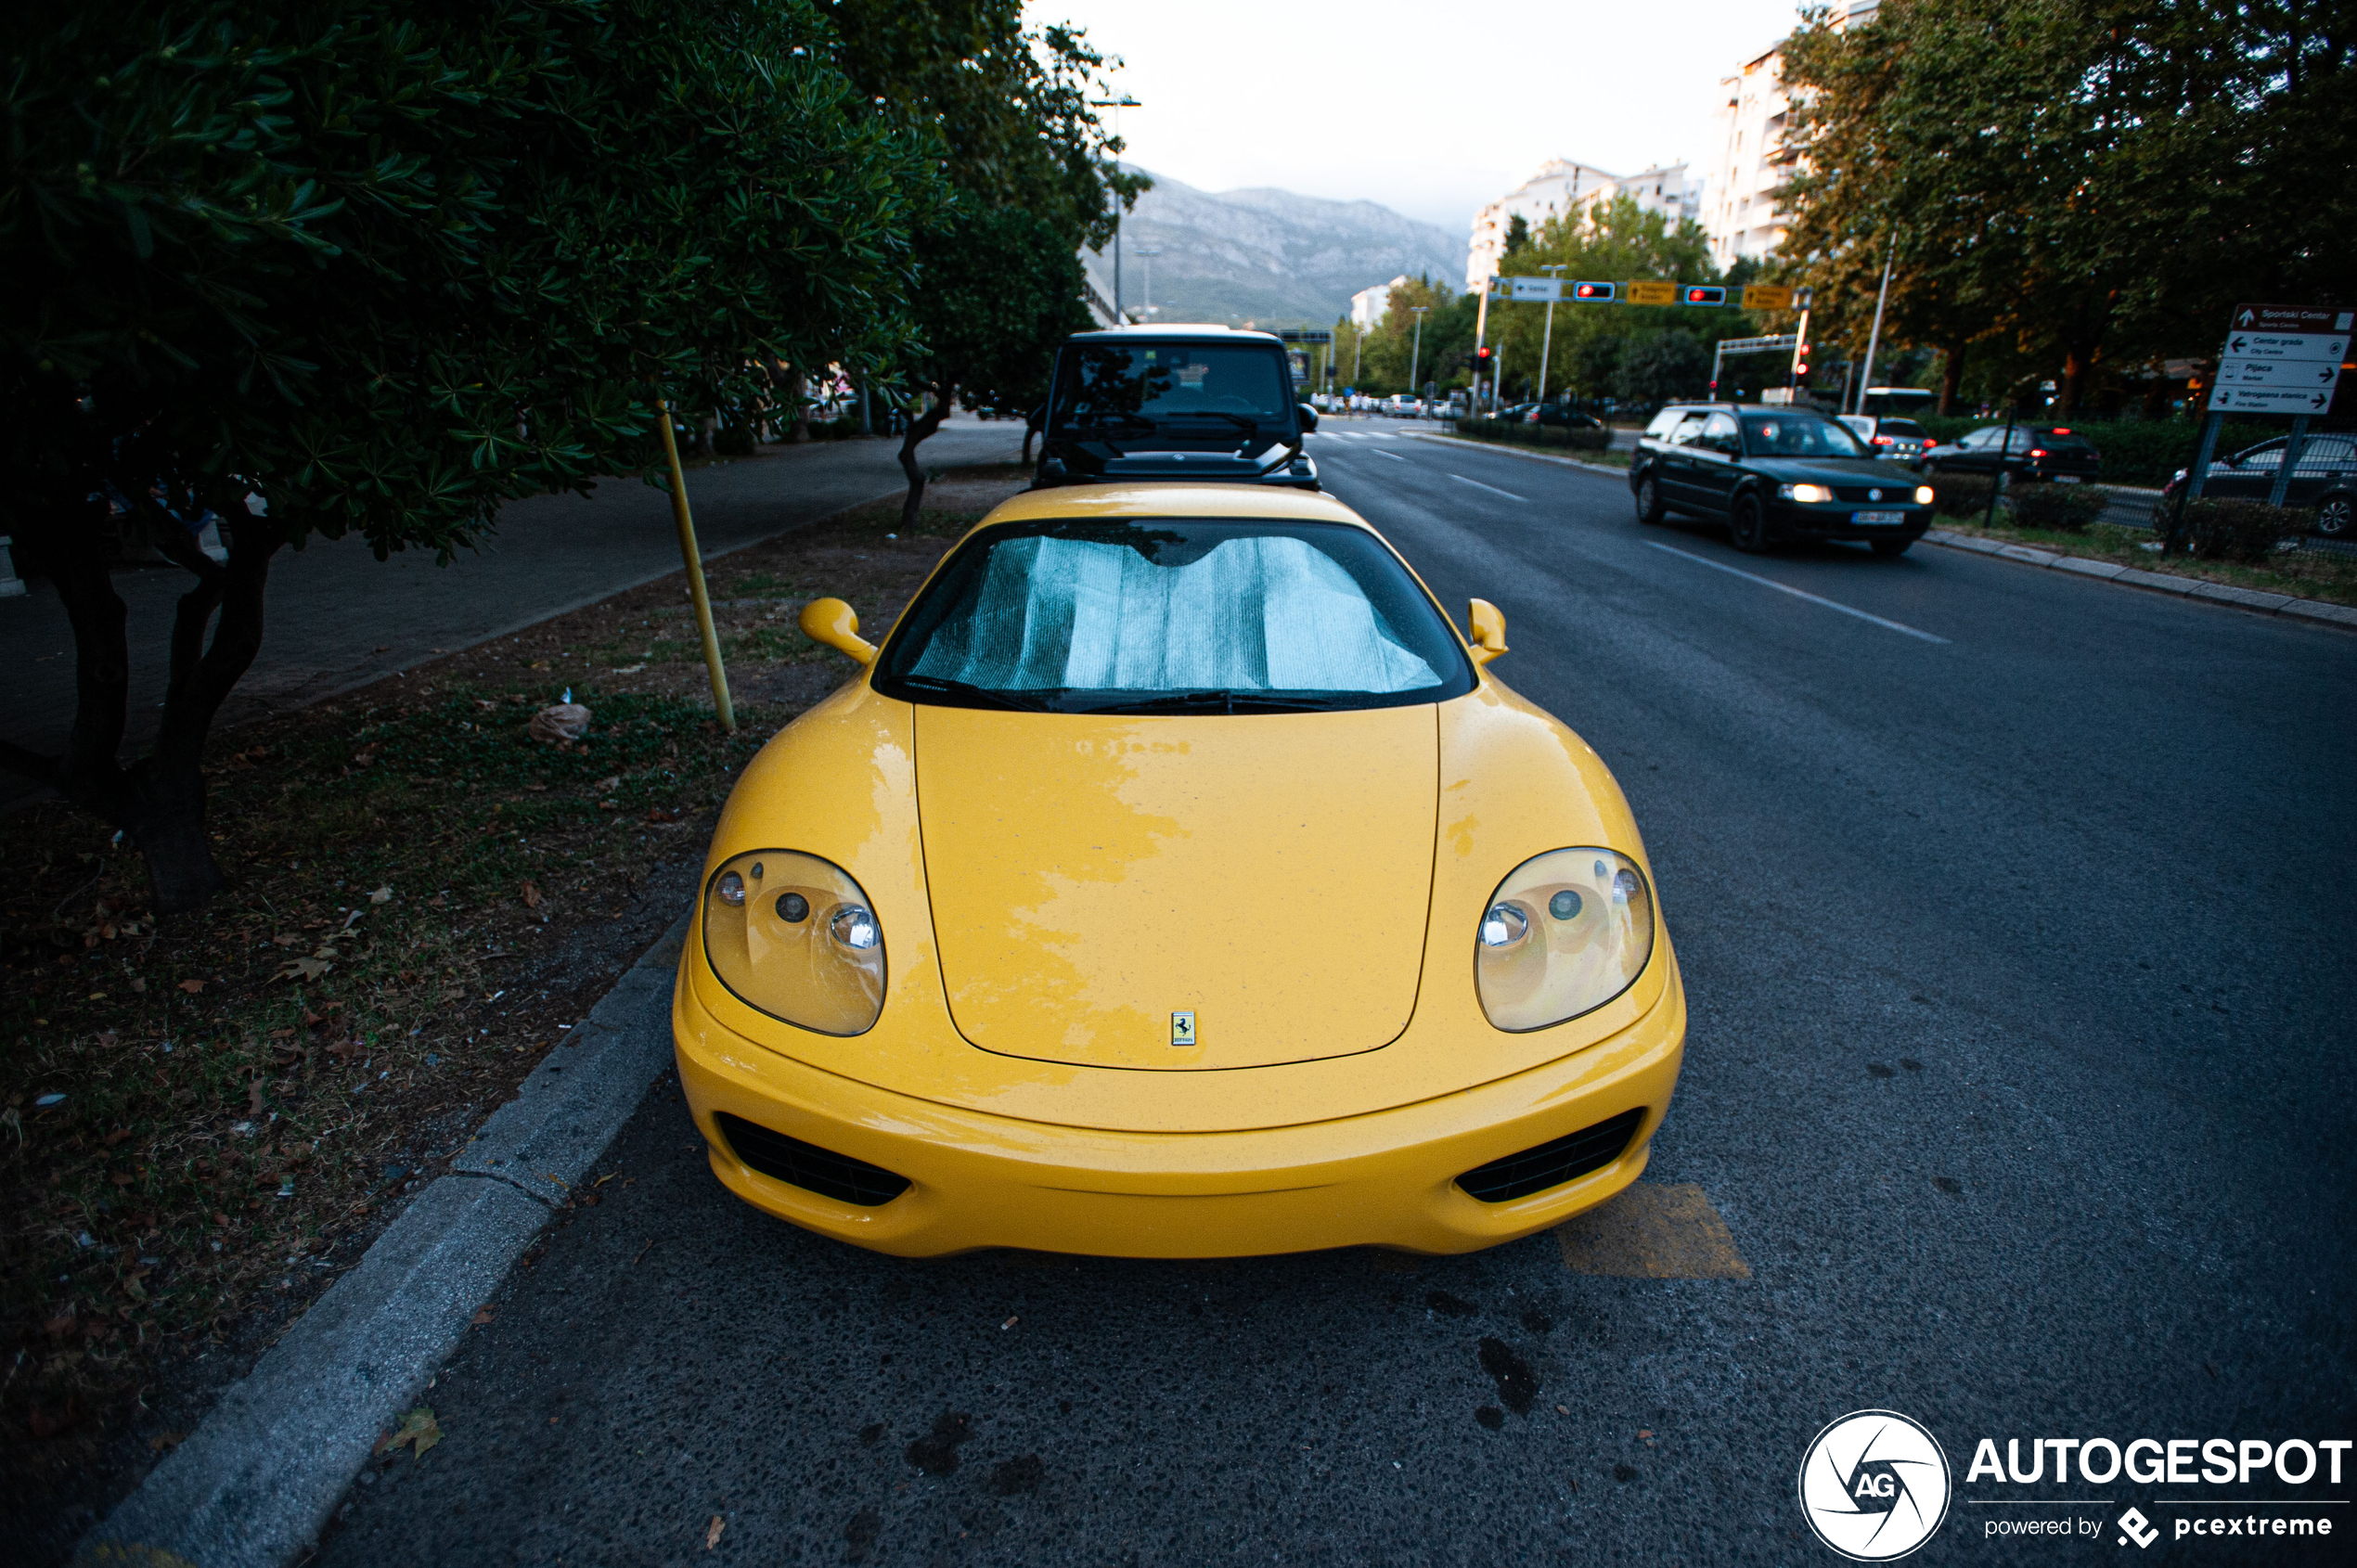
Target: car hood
x,y
1824,470
1092,875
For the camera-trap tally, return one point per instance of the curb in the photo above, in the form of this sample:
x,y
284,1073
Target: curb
x,y
257,1481
1515,451
2156,581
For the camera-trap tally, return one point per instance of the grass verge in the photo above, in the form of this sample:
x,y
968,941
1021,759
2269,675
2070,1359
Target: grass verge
x,y
203,1120
1608,459
2317,575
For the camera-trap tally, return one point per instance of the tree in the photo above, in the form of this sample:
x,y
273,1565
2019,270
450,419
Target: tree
x,y
1002,288
382,273
2072,181
1008,109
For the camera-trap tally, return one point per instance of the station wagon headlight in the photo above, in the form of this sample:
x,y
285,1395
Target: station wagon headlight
x,y
1922,494
1565,933
1804,493
794,937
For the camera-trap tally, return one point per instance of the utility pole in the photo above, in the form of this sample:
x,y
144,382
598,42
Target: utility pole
x,y
1415,357
1117,104
1547,343
1481,336
1874,338
1799,346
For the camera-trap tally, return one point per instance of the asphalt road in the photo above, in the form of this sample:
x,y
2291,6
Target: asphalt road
x,y
2013,911
336,617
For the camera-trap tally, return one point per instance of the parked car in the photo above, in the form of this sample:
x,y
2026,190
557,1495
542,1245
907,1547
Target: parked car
x,y
945,995
1515,411
1772,474
1187,403
1557,415
2036,453
2325,479
1400,406
1902,439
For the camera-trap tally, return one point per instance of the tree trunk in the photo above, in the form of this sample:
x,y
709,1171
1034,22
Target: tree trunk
x,y
797,389
1952,375
920,427
159,802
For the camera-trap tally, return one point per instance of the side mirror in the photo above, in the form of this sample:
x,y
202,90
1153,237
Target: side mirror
x,y
835,623
1308,418
1489,631
1038,418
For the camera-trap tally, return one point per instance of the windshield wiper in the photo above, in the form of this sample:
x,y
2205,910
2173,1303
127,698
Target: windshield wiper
x,y
1112,420
980,695
1221,702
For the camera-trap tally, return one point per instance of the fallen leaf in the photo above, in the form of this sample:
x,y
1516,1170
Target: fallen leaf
x,y
1009,1323
1563,1409
606,785
344,1051
483,1316
192,987
531,895
164,1440
418,1430
712,1536
309,969
288,939
1642,1432
254,1096
382,895
117,1135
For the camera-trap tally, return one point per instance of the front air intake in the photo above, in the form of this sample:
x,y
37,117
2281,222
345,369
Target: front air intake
x,y
807,1165
1551,1164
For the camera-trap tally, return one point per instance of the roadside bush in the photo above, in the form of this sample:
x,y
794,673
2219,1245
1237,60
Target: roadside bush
x,y
1960,496
1520,433
733,441
2062,509
2222,529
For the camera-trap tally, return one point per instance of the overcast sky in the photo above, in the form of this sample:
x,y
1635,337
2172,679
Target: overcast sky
x,y
1432,110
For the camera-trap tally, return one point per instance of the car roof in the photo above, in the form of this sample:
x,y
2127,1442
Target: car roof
x,y
1172,332
1151,498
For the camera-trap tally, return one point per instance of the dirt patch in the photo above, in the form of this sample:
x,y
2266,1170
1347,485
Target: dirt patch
x,y
208,1118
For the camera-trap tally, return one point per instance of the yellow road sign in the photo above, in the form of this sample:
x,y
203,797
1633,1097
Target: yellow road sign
x,y
1767,296
1650,293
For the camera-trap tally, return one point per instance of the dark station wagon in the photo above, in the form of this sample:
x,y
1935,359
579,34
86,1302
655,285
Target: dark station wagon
x,y
1772,474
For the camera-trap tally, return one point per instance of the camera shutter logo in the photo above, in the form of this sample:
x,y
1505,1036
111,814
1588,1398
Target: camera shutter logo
x,y
1875,1486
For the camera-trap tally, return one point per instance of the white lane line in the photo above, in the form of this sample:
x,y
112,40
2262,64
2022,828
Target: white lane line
x,y
1379,452
1786,588
1491,488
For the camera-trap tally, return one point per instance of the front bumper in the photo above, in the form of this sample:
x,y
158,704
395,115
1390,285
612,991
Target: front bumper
x,y
1386,1178
1833,520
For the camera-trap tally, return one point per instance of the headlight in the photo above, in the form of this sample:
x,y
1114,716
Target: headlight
x,y
794,936
1565,933
1922,494
1804,493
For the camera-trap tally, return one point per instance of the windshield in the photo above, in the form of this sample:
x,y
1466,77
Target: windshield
x,y
1799,435
1907,429
1172,615
1139,385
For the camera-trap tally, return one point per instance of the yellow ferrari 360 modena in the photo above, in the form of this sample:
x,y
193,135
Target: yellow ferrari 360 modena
x,y
1176,881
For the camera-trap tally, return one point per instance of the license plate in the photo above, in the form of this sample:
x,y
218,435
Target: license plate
x,y
2065,478
1864,518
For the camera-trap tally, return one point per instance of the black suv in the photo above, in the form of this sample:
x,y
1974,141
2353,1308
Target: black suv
x,y
1771,474
1184,402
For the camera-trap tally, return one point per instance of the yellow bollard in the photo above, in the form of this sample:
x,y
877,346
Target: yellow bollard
x,y
695,573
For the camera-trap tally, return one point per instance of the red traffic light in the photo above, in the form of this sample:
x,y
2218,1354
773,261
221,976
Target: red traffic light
x,y
1704,296
1482,352
1596,293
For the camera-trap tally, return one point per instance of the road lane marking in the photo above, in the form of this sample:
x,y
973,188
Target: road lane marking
x,y
1379,452
1653,1230
1797,593
1491,488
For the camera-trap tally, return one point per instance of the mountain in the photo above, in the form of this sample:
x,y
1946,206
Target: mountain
x,y
1267,256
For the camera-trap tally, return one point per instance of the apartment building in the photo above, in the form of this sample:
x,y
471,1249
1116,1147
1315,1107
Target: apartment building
x,y
1741,211
1369,306
1562,188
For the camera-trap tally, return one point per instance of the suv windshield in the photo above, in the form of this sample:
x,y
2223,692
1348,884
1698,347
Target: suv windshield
x,y
1136,386
1172,615
1799,435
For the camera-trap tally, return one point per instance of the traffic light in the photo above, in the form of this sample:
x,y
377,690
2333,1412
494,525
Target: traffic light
x,y
1481,356
1800,359
1596,293
1697,294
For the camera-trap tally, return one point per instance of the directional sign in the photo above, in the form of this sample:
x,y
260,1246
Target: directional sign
x,y
2292,318
2325,348
1652,293
1540,290
2269,400
1767,296
2307,375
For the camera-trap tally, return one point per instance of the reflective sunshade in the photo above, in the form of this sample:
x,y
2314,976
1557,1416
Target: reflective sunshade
x,y
1215,616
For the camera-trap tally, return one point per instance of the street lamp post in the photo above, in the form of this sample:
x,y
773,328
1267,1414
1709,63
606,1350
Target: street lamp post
x,y
1415,357
1117,104
1150,252
1547,343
